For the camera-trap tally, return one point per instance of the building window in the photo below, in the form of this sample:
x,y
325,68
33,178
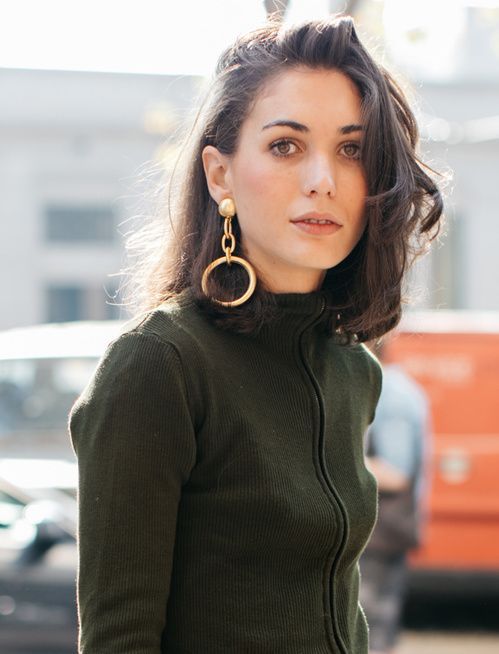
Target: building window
x,y
79,224
114,310
65,303
449,266
68,303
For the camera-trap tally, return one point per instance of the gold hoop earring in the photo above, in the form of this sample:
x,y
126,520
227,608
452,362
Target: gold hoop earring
x,y
227,210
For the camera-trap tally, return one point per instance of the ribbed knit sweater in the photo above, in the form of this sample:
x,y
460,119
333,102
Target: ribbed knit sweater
x,y
224,500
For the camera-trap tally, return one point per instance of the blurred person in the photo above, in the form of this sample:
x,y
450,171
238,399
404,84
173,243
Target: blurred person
x,y
224,499
398,446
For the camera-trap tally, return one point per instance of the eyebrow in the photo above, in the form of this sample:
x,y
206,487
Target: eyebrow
x,y
299,127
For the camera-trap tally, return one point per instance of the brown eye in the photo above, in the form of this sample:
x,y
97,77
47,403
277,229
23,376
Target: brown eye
x,y
283,148
352,150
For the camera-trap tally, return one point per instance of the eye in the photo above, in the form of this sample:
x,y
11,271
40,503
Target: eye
x,y
351,150
283,148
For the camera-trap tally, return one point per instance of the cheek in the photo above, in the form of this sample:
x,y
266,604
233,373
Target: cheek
x,y
254,178
258,188
356,198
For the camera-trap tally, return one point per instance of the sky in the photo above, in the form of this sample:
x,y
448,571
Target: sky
x,y
186,36
146,36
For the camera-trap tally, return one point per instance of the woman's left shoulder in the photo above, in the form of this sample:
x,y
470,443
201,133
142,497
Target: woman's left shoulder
x,y
362,358
371,359
365,369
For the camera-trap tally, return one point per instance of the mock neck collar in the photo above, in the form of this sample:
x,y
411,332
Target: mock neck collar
x,y
299,301
292,303
293,314
300,306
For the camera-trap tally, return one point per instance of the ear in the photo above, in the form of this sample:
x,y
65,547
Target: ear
x,y
216,170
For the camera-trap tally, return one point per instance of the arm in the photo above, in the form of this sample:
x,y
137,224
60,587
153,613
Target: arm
x,y
133,435
389,478
392,453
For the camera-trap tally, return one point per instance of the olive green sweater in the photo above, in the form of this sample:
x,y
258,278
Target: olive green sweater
x,y
224,501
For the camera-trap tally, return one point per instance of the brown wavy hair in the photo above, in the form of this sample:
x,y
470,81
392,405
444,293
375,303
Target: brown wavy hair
x,y
403,206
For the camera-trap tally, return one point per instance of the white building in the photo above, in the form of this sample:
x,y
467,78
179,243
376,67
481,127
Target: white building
x,y
74,144
465,138
451,54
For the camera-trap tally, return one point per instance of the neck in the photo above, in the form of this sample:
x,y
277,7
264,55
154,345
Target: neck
x,y
298,283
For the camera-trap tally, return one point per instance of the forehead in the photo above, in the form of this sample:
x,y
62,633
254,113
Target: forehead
x,y
307,95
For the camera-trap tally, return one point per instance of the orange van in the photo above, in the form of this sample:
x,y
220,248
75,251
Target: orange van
x,y
455,357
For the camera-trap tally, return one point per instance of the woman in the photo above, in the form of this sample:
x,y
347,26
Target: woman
x,y
224,500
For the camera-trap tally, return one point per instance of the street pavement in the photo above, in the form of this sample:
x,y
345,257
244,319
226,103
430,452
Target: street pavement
x,y
413,642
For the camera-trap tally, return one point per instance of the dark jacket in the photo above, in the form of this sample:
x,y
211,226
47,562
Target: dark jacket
x,y
224,499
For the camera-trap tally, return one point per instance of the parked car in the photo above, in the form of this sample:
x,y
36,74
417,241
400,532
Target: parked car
x,y
42,371
37,556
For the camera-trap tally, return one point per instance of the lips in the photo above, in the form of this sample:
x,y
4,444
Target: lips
x,y
317,224
314,221
316,218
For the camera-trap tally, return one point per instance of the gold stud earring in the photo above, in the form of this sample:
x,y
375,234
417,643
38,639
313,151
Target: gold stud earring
x,y
227,209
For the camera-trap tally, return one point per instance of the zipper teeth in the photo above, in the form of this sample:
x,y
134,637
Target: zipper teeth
x,y
341,508
338,502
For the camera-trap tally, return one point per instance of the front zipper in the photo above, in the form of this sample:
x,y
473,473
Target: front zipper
x,y
322,462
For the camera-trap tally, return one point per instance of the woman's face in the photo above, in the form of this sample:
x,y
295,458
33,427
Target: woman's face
x,y
296,178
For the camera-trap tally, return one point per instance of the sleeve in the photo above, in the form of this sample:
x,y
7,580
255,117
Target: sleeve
x,y
133,435
400,431
394,442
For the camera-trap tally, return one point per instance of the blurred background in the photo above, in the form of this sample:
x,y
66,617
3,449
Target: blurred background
x,y
94,98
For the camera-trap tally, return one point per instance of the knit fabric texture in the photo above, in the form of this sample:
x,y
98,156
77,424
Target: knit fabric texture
x,y
224,500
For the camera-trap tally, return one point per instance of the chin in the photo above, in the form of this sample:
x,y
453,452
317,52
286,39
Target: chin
x,y
327,264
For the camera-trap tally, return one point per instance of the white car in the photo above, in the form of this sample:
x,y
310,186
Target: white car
x,y
43,369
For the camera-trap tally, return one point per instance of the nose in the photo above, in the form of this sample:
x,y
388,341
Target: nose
x,y
319,177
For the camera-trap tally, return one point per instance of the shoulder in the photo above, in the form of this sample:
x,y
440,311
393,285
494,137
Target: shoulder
x,y
177,324
137,400
372,361
364,375
363,363
146,354
166,346
375,371
142,372
134,366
